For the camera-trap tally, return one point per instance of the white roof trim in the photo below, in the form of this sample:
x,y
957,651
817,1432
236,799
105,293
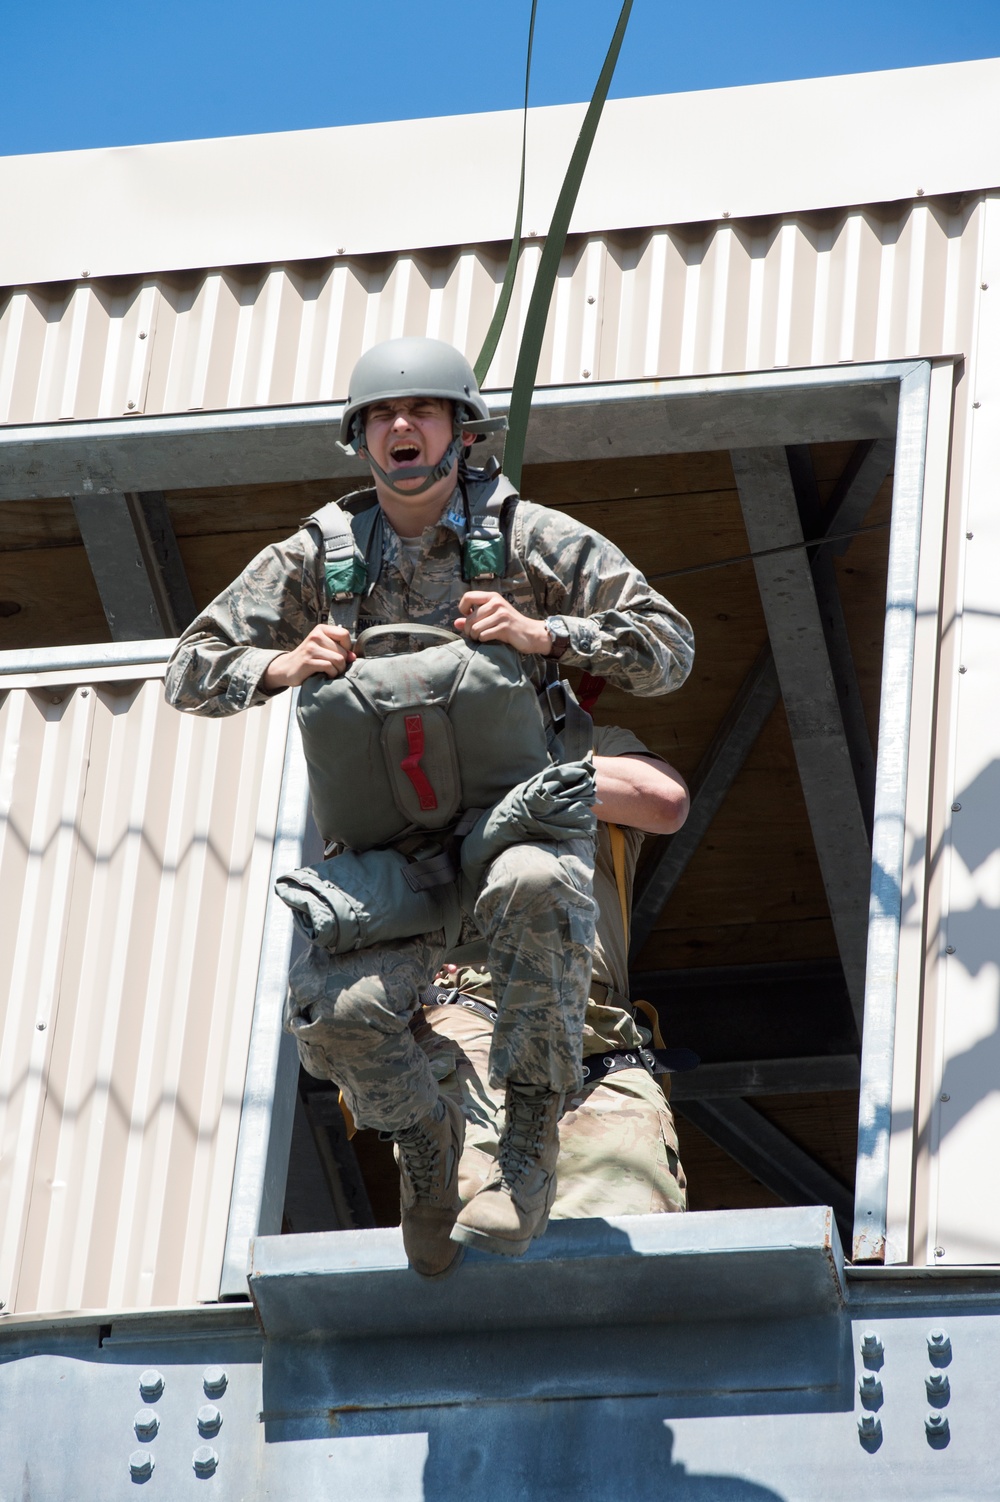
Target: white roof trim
x,y
666,159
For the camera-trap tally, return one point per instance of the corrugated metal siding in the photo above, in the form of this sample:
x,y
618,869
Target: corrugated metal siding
x,y
870,283
135,848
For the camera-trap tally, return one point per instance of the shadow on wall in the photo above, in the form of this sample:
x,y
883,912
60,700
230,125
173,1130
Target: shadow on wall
x,y
562,1451
970,937
536,1454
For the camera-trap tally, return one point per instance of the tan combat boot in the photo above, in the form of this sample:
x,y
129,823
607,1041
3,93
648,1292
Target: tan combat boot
x,y
513,1205
428,1154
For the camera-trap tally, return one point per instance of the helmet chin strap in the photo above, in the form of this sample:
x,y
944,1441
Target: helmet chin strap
x,y
429,473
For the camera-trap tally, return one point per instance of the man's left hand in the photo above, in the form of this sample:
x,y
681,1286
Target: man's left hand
x,y
486,616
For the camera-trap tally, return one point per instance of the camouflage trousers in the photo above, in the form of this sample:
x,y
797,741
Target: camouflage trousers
x,y
350,1014
618,1152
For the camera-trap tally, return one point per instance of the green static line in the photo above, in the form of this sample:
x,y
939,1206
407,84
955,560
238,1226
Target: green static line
x,y
489,349
548,266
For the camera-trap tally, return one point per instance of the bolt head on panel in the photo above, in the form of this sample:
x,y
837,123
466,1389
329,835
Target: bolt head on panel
x,y
209,1419
140,1464
151,1384
215,1380
146,1423
204,1460
937,1428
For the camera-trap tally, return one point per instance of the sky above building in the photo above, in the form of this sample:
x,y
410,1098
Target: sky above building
x,y
115,75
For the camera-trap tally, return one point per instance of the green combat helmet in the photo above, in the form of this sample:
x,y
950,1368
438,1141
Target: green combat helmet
x,y
410,367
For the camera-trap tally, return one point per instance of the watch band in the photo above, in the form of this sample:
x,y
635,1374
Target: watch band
x,y
559,633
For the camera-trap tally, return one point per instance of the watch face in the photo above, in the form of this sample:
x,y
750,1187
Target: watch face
x,y
559,633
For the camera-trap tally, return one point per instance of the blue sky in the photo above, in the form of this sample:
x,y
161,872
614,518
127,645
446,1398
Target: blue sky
x,y
113,74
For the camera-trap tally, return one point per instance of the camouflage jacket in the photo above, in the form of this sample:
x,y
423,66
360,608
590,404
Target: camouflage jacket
x,y
619,626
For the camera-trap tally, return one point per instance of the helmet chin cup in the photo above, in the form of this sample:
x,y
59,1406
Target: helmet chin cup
x,y
430,474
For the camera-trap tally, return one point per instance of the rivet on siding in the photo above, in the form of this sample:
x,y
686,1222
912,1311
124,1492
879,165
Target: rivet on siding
x,y
591,300
725,213
3,1303
209,1419
586,375
956,808
40,1026
936,1427
85,693
142,333
963,668
970,535
870,1389
870,1344
84,274
977,404
215,1380
920,192
939,1251
141,1464
944,1096
340,250
151,1383
146,1423
984,286
870,1430
131,406
204,1460
949,949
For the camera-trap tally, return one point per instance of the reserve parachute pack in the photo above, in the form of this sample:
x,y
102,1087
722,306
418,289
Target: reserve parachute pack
x,y
408,741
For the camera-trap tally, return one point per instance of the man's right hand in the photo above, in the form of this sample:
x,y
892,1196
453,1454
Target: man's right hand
x,y
327,649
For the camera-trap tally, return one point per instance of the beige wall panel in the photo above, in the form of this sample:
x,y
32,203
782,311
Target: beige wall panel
x,y
122,1118
43,758
963,1033
822,288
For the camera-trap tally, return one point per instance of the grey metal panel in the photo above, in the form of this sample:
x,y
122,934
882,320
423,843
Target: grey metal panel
x,y
811,704
890,814
591,1272
81,659
742,1409
567,423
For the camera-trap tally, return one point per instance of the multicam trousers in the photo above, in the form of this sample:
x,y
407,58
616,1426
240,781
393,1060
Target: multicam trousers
x,y
618,1150
350,1014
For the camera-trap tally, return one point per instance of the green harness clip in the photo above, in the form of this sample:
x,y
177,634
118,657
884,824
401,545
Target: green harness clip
x,y
484,558
346,577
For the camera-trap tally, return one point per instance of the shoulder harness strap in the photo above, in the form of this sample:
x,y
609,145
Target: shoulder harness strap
x,y
490,503
352,545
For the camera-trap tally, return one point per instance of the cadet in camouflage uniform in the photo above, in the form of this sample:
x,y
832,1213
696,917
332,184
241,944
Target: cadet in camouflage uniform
x,y
618,1152
412,413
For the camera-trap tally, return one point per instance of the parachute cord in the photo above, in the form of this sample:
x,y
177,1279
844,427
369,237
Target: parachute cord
x,y
548,266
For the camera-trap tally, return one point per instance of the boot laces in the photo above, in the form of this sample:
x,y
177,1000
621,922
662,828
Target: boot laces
x,y
420,1156
521,1142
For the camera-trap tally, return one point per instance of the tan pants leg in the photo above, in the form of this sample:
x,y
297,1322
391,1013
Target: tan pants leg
x,y
618,1152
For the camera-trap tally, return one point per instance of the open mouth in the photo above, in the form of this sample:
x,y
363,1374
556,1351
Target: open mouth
x,y
404,453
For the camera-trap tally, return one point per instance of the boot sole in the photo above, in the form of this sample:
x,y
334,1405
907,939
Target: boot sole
x,y
484,1243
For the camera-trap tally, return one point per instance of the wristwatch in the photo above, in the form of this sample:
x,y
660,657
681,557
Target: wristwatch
x,y
559,632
